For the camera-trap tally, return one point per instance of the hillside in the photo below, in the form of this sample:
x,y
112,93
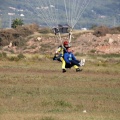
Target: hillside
x,y
32,39
97,12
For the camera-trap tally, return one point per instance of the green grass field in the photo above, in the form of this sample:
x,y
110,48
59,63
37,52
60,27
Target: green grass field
x,y
38,90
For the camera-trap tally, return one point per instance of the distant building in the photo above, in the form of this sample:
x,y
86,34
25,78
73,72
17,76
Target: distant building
x,y
83,28
22,15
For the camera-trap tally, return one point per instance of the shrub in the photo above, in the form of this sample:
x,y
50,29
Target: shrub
x,y
101,31
45,30
20,56
112,55
13,58
115,30
7,35
16,58
92,51
23,31
3,55
47,118
26,30
17,35
0,41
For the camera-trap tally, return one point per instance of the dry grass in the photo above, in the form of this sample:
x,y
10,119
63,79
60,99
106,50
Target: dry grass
x,y
37,90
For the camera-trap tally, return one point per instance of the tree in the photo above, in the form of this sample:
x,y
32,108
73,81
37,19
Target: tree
x,y
17,22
